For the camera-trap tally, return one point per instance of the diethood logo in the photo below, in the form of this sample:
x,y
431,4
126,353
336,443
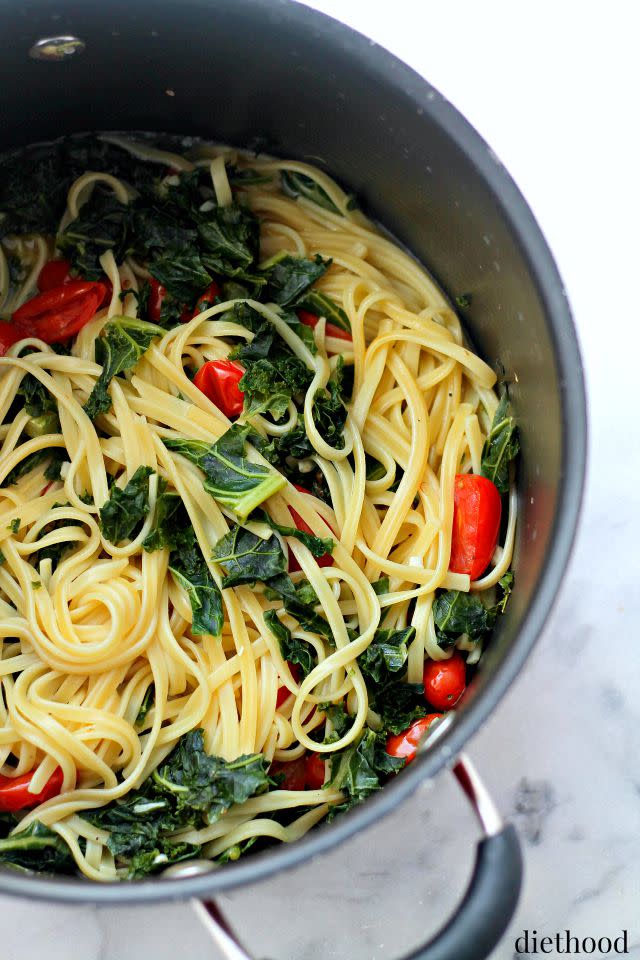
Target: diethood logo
x,y
531,942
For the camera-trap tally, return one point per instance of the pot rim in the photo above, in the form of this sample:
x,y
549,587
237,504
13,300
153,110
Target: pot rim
x,y
535,251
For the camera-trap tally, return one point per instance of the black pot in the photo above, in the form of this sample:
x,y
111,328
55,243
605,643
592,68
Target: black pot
x,y
274,73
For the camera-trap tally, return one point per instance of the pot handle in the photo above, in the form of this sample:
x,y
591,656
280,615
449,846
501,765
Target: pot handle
x,y
486,908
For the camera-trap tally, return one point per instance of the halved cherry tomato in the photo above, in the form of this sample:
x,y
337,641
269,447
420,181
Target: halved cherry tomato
x,y
311,320
53,274
444,681
218,380
15,795
207,299
314,771
326,560
477,508
294,772
9,334
405,744
61,312
284,692
157,294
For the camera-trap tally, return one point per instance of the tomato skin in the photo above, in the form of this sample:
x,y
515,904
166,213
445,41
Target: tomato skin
x,y
311,320
218,380
61,312
14,791
207,299
295,773
157,294
477,508
53,274
405,744
444,681
9,334
284,692
326,560
314,771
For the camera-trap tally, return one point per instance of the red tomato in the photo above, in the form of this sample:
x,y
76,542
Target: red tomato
x,y
314,771
326,560
218,380
444,681
311,320
406,743
156,296
61,312
53,274
284,692
207,299
476,523
295,773
14,791
9,334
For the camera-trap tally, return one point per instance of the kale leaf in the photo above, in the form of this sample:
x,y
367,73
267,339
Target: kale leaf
x,y
182,272
247,558
455,613
323,306
386,654
299,185
37,848
271,385
102,224
230,478
319,546
361,769
191,788
231,238
290,277
501,446
126,507
123,342
292,649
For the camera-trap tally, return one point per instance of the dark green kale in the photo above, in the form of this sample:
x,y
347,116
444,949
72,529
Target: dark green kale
x,y
290,277
123,342
172,530
501,446
506,586
230,237
156,228
230,477
147,703
182,273
247,558
102,224
299,185
190,789
54,470
292,649
361,769
386,654
381,586
246,177
37,848
126,507
319,546
269,386
323,306
455,613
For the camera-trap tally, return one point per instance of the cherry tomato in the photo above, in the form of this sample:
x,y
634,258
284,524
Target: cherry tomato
x,y
311,320
284,692
156,296
294,771
314,771
326,560
476,523
444,681
15,795
61,312
405,744
218,380
53,274
207,299
9,334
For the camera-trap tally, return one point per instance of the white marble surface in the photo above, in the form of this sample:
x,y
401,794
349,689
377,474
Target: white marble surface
x,y
552,87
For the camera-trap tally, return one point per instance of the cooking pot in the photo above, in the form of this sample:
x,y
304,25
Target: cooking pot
x,y
275,75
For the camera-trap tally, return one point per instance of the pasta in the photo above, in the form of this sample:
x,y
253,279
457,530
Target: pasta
x,y
316,532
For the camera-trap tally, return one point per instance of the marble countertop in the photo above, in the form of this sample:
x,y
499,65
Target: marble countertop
x,y
552,92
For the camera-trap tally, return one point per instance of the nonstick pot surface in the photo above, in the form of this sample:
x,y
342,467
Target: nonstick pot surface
x,y
275,75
